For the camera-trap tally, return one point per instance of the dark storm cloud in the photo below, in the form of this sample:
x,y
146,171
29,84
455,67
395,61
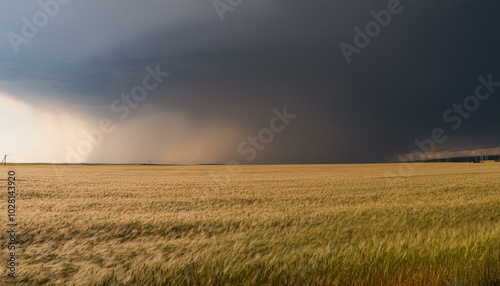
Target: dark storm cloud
x,y
265,55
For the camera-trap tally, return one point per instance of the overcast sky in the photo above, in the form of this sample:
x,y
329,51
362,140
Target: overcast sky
x,y
229,67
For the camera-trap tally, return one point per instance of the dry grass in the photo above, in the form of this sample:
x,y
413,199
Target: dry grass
x,y
270,225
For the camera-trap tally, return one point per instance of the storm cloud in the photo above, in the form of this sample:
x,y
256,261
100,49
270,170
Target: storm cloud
x,y
226,77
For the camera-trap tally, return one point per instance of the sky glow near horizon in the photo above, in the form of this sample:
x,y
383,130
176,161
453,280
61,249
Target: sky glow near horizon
x,y
35,135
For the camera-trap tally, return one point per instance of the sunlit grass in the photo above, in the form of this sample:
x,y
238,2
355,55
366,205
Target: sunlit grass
x,y
266,225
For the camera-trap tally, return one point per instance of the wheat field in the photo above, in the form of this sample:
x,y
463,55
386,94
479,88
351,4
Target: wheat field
x,y
255,225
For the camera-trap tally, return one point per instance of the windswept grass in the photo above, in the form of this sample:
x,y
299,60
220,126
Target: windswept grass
x,y
264,225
